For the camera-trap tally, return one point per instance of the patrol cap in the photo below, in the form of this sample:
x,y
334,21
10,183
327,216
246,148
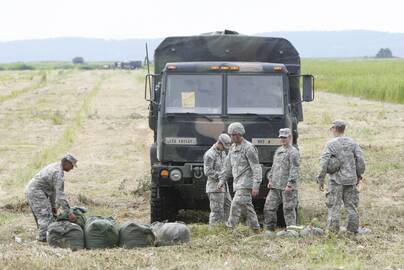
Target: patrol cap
x,y
338,123
71,159
225,140
236,128
284,133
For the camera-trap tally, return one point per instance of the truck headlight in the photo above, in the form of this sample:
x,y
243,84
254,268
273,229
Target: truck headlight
x,y
175,174
267,173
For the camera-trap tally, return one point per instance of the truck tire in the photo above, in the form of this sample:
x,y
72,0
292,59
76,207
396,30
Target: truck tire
x,y
163,204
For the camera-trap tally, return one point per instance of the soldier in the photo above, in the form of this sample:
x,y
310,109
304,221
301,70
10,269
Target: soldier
x,y
243,164
343,183
219,199
45,193
282,182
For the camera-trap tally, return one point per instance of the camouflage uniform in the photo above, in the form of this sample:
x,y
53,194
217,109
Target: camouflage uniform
x,y
342,186
219,199
243,164
284,171
44,192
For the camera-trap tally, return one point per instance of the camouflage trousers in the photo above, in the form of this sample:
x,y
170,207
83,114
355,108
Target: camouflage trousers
x,y
42,210
242,203
219,203
274,198
336,196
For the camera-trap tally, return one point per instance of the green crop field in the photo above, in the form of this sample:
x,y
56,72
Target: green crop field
x,y
368,78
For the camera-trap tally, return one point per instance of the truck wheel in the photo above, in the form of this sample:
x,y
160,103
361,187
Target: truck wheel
x,y
163,204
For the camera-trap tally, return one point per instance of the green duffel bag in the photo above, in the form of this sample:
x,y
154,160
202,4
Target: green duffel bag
x,y
132,235
64,234
101,232
79,212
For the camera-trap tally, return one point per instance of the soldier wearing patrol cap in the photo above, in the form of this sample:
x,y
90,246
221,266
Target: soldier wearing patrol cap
x,y
342,187
243,165
45,193
282,182
219,199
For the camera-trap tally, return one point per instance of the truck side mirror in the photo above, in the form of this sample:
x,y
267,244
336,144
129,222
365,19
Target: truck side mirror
x,y
149,82
308,88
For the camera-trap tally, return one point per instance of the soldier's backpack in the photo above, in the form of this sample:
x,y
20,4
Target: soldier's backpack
x,y
171,233
79,212
132,235
333,165
64,234
101,232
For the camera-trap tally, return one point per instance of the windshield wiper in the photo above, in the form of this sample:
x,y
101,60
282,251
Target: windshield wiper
x,y
269,118
194,114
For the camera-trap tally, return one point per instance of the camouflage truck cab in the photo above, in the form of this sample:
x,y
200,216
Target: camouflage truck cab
x,y
201,85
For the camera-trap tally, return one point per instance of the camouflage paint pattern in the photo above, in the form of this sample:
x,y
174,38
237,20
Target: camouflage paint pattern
x,y
274,198
219,203
350,156
336,196
243,165
242,204
285,169
44,192
219,199
342,185
42,210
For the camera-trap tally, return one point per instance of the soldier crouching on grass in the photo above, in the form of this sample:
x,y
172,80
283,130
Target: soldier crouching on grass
x,y
282,182
342,187
45,193
219,199
243,164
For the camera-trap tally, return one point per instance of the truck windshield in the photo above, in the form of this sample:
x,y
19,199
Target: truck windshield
x,y
194,94
255,94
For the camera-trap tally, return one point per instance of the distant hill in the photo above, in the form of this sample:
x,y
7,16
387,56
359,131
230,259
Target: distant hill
x,y
65,49
355,43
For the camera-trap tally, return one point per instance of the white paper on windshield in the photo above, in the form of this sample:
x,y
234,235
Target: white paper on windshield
x,y
188,99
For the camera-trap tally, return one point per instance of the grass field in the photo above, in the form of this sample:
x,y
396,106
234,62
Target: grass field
x,y
368,78
101,117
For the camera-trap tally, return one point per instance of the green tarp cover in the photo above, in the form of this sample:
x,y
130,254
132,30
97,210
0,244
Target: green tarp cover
x,y
101,232
64,234
132,235
229,47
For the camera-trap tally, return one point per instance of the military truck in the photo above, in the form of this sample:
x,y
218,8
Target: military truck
x,y
200,85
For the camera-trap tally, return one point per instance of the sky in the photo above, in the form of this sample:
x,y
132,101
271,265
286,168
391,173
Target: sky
x,y
123,19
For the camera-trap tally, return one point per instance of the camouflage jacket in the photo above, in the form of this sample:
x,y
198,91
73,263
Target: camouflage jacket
x,y
350,156
285,168
243,164
213,161
50,180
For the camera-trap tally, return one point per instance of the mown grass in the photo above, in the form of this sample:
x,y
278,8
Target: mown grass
x,y
374,79
381,205
41,82
53,152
